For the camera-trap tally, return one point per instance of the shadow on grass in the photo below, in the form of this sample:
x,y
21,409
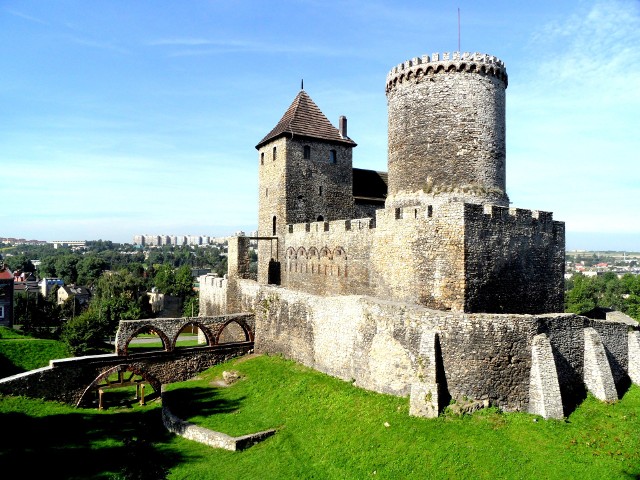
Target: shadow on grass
x,y
199,401
83,445
7,367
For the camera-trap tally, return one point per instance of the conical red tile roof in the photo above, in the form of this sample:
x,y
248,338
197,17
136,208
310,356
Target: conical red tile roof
x,y
304,118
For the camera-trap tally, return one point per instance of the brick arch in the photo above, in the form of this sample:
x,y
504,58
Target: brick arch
x,y
290,256
312,259
301,259
148,378
245,328
194,323
167,344
340,261
325,263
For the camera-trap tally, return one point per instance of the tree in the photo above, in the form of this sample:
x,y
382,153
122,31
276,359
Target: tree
x,y
608,291
191,307
582,297
184,282
89,269
164,278
19,262
85,334
37,315
66,268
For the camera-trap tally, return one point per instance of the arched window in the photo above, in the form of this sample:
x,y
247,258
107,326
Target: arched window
x,y
320,218
307,152
262,158
274,226
275,154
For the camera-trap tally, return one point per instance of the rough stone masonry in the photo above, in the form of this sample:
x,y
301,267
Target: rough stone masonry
x,y
443,292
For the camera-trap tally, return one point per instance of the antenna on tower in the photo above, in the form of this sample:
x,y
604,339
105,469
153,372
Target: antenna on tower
x,y
459,29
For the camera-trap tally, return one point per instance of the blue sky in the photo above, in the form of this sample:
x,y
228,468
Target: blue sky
x,y
122,117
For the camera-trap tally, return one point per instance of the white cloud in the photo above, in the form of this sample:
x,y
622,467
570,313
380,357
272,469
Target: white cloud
x,y
573,118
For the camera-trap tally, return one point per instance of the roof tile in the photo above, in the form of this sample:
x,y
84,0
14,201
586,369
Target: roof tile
x,y
304,118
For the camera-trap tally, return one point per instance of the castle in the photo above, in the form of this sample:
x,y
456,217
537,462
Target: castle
x,y
421,281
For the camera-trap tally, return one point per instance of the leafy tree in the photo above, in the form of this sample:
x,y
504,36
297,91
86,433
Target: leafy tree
x,y
47,267
164,278
118,296
37,315
66,268
191,307
20,262
582,297
184,282
85,334
608,291
89,269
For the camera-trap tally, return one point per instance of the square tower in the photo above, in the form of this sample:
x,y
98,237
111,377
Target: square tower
x,y
305,175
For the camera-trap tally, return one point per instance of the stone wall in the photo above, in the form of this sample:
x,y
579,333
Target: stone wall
x,y
294,189
271,202
514,260
331,258
72,380
376,344
418,255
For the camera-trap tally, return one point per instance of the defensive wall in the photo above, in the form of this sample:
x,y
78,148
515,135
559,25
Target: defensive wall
x,y
541,363
75,380
448,255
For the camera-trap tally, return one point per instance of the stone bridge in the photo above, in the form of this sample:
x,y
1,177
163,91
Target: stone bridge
x,y
77,380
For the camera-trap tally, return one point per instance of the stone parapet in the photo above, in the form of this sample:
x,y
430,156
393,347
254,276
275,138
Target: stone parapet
x,y
480,63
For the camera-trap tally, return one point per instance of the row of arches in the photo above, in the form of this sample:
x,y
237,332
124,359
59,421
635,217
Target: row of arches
x,y
317,262
149,337
495,71
114,386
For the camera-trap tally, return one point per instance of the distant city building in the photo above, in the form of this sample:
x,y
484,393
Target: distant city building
x,y
69,243
180,240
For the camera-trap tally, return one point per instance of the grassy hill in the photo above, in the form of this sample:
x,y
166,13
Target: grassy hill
x,y
327,429
20,353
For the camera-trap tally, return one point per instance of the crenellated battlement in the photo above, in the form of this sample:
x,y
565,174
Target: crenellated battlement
x,y
335,226
419,67
470,211
212,280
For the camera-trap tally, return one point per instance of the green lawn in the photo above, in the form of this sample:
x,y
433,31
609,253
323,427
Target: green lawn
x,y
20,353
327,429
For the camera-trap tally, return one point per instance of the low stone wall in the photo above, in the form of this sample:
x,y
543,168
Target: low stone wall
x,y
71,380
209,437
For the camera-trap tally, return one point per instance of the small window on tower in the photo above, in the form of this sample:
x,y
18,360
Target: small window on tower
x,y
333,156
307,152
320,190
262,158
275,154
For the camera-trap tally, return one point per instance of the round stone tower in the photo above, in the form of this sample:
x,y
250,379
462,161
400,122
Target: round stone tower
x,y
447,130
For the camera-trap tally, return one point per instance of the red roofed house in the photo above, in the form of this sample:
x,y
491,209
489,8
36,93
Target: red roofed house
x,y
6,297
